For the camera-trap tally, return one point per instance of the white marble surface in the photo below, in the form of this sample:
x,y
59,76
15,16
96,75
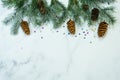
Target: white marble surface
x,y
58,56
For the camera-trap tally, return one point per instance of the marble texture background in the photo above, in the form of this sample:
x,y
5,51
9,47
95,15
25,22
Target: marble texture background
x,y
49,54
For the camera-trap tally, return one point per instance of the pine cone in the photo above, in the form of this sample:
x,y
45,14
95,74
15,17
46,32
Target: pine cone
x,y
102,29
41,6
94,14
25,27
71,26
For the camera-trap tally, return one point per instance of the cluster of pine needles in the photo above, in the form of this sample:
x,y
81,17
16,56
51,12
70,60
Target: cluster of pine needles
x,y
39,12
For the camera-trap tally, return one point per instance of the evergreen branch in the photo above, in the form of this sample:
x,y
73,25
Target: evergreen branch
x,y
109,18
8,3
107,15
56,12
8,19
15,28
73,10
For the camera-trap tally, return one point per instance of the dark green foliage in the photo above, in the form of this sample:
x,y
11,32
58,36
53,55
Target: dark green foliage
x,y
56,12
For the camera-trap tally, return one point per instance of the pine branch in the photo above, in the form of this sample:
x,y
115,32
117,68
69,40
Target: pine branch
x,y
56,12
108,17
15,28
74,10
105,14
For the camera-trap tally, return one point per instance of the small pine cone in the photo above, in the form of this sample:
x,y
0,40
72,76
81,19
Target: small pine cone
x,y
85,7
41,6
94,14
102,29
71,26
25,27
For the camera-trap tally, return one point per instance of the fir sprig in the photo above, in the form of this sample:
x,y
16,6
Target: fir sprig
x,y
56,12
